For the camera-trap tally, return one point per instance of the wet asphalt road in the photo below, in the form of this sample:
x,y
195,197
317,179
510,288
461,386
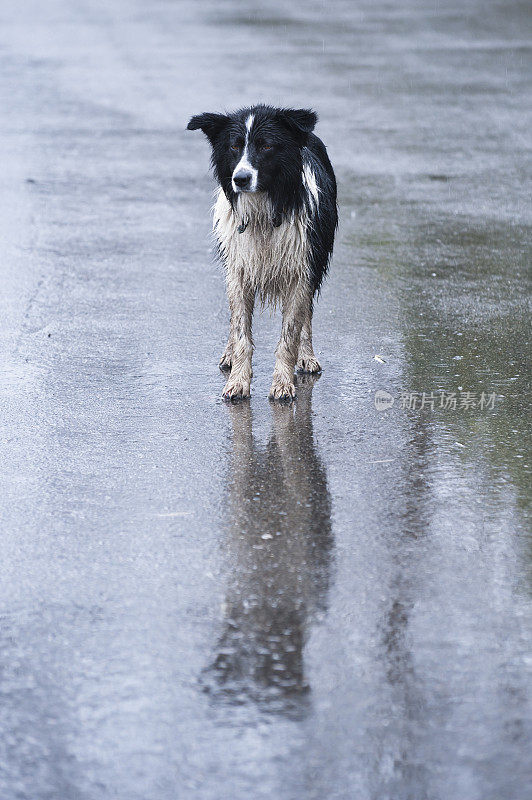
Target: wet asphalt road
x,y
212,601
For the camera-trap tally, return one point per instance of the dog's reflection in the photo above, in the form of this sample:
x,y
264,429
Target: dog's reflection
x,y
279,546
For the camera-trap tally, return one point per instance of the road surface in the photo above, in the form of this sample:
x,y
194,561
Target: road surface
x,y
222,602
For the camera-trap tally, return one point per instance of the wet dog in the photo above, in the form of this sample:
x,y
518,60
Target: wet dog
x,y
275,217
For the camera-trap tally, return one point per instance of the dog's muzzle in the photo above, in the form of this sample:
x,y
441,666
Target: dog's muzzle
x,y
242,180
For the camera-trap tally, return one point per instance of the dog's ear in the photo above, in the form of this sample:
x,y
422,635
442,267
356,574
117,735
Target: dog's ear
x,y
299,121
211,125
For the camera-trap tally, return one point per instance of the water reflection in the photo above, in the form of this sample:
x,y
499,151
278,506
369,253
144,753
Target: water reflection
x,y
405,772
464,329
279,544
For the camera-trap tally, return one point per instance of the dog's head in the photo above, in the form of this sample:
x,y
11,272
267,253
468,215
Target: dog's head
x,y
256,149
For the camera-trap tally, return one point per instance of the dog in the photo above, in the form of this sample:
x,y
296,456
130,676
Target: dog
x,y
274,222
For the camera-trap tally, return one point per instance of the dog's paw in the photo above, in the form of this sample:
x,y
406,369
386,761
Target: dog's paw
x,y
236,389
282,390
225,362
308,364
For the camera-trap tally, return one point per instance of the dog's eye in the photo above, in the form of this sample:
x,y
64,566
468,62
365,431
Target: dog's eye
x,y
235,147
266,147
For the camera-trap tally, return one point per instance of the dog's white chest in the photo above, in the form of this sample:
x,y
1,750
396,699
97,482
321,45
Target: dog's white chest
x,y
271,259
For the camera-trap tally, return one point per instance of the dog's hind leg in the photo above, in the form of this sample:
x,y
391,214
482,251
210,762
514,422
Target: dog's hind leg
x,y
295,310
241,301
306,360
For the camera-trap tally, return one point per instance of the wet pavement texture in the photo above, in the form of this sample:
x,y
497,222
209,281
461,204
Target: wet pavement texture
x,y
212,601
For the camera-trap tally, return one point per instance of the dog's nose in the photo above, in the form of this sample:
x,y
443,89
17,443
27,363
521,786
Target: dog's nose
x,y
242,179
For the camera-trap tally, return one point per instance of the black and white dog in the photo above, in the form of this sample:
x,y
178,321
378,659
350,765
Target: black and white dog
x,y
275,218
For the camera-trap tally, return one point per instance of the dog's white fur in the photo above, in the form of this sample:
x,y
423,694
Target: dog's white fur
x,y
270,260
309,181
244,164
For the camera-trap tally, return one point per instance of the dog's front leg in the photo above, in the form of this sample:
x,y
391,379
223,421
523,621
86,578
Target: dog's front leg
x,y
295,308
241,301
227,358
